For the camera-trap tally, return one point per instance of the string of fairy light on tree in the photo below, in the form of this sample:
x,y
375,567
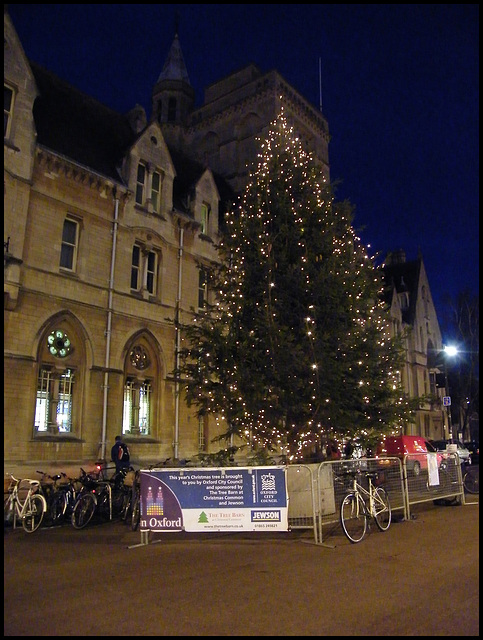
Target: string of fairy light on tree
x,y
293,280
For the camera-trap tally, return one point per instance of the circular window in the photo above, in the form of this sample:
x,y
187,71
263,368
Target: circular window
x,y
59,344
139,357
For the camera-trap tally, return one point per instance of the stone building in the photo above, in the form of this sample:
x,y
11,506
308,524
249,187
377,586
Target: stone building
x,y
109,219
412,313
106,232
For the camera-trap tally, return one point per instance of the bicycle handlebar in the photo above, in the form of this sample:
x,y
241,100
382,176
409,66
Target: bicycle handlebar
x,y
31,481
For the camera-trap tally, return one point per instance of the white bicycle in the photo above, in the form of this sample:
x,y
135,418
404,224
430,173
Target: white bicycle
x,y
360,504
29,509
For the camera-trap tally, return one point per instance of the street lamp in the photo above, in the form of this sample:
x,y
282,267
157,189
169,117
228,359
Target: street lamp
x,y
449,351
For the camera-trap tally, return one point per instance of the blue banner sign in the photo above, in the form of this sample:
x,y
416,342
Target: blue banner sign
x,y
214,499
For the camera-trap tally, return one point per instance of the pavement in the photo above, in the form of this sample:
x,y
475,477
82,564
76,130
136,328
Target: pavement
x,y
419,578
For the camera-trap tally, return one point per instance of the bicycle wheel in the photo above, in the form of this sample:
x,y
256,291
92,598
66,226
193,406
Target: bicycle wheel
x,y
382,509
70,500
57,507
8,511
83,510
126,507
119,498
136,513
105,504
353,517
36,506
471,481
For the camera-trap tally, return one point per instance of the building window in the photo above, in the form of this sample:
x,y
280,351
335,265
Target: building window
x,y
43,400
205,219
202,288
139,357
172,109
144,267
137,407
156,191
53,409
148,188
7,110
58,344
151,272
70,238
135,266
127,413
140,184
427,426
64,404
404,301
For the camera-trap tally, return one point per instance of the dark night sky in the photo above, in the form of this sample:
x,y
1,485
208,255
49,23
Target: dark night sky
x,y
399,87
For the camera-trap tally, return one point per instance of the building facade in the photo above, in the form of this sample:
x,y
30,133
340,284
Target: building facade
x,y
105,239
412,314
109,219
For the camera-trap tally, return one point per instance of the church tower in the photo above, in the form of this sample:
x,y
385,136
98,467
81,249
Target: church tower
x,y
173,96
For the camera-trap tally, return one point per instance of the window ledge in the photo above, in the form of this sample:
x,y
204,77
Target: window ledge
x,y
56,437
157,214
203,236
129,439
146,296
68,272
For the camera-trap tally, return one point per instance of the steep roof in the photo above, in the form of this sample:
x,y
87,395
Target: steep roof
x,y
79,127
404,277
188,172
174,66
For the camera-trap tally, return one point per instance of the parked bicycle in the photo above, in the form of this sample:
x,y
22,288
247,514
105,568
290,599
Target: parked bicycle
x,y
120,491
60,492
93,495
47,488
131,486
136,494
361,504
29,509
64,498
471,480
136,503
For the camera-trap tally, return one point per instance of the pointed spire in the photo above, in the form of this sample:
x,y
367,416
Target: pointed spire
x,y
174,67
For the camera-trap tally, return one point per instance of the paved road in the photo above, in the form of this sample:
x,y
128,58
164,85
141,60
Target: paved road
x,y
420,578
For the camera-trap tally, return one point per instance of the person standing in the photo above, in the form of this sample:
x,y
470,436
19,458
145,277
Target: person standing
x,y
332,451
348,449
120,454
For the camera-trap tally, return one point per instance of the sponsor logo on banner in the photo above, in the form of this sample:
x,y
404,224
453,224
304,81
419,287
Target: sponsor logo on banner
x,y
266,516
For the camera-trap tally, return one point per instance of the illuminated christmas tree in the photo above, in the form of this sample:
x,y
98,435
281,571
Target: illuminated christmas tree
x,y
294,347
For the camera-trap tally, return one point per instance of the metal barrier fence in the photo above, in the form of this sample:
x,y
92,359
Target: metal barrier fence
x,y
316,490
435,476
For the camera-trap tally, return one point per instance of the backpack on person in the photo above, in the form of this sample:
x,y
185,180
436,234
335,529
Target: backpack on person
x,y
123,452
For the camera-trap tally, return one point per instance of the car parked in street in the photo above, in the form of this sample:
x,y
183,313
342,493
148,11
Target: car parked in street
x,y
412,450
461,450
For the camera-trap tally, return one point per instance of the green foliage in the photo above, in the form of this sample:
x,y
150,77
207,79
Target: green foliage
x,y
295,346
221,458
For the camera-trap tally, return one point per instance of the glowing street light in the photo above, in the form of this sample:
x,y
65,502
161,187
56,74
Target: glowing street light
x,y
450,351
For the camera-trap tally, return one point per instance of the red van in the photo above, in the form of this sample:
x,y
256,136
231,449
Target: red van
x,y
411,449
